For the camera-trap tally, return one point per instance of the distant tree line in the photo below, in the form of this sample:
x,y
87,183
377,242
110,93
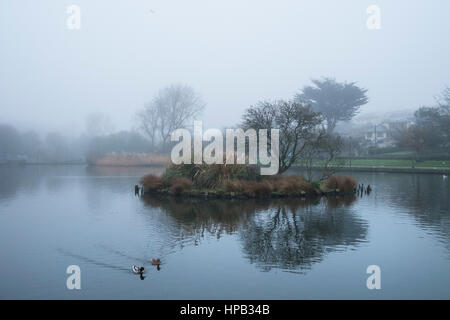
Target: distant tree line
x,y
56,148
431,129
29,146
119,142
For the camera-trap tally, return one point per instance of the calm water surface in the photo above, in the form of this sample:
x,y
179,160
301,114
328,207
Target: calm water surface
x,y
53,217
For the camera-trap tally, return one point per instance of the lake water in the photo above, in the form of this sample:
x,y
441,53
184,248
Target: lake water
x,y
53,217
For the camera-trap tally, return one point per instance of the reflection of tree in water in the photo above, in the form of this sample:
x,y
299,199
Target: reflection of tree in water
x,y
11,181
291,237
196,218
281,233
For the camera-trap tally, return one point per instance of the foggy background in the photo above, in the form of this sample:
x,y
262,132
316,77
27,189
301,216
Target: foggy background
x,y
233,53
92,81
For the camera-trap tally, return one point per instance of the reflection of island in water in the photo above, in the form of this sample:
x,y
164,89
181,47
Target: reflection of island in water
x,y
290,234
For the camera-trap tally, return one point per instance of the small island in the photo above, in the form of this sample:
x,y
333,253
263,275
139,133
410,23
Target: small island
x,y
240,181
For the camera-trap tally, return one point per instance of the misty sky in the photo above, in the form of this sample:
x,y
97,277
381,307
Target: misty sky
x,y
232,52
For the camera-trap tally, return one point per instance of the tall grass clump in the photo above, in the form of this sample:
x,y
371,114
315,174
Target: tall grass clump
x,y
290,185
256,189
180,186
293,185
153,183
212,176
344,184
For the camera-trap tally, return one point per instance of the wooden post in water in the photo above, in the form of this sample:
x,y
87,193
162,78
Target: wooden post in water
x,y
136,190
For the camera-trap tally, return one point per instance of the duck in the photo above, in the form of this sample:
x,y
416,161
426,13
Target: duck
x,y
138,270
156,262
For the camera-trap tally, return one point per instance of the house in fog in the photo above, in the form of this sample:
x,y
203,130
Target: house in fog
x,y
381,135
378,135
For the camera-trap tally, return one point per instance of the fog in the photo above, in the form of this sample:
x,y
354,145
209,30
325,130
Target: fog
x,y
233,53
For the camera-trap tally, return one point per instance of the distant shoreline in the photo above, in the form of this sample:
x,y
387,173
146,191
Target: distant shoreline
x,y
420,170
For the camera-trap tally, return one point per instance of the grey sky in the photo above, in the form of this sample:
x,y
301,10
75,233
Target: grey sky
x,y
232,52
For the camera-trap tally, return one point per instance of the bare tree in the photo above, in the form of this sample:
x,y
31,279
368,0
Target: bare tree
x,y
323,148
148,123
444,110
444,100
412,138
297,123
172,108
